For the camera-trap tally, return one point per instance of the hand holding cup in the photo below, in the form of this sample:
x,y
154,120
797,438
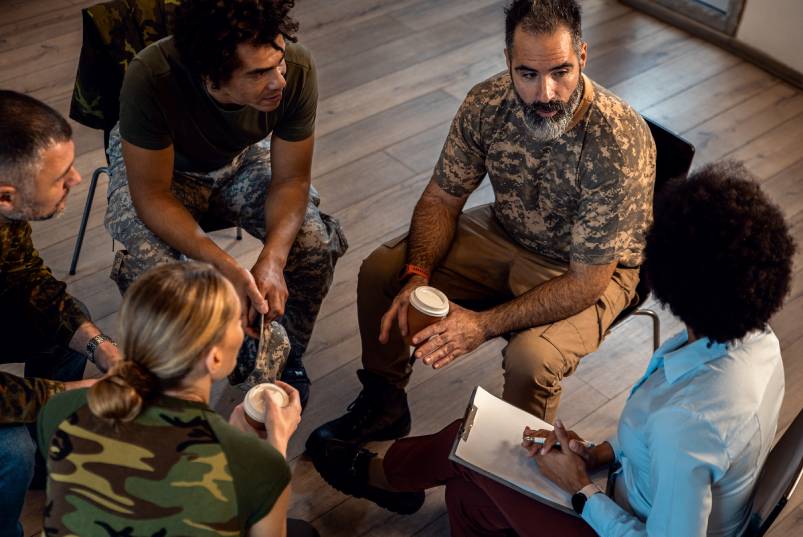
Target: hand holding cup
x,y
275,409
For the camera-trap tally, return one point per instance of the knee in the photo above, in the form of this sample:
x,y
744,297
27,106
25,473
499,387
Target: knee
x,y
379,271
531,361
17,452
320,237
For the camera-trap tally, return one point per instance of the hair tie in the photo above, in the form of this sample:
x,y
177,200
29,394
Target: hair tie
x,y
138,377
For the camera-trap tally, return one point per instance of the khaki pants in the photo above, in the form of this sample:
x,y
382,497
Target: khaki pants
x,y
483,268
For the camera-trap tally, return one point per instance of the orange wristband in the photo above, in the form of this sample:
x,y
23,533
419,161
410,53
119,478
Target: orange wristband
x,y
410,270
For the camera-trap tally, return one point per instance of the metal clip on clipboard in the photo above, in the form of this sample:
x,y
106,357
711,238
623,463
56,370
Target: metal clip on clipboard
x,y
468,422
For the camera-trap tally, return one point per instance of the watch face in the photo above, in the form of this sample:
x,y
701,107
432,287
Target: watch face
x,y
578,502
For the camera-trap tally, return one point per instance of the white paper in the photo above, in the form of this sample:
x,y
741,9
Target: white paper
x,y
494,449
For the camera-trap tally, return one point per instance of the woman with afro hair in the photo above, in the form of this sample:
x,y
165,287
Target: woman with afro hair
x,y
697,426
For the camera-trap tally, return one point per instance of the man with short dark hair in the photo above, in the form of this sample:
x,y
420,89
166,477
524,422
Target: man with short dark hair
x,y
550,264
191,152
40,323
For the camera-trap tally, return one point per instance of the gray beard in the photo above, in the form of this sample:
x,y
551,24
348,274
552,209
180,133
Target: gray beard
x,y
545,129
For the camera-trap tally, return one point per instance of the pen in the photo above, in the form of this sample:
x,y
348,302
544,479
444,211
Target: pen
x,y
540,440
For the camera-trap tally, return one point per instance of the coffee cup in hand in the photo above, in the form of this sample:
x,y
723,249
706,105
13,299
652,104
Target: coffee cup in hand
x,y
427,306
254,403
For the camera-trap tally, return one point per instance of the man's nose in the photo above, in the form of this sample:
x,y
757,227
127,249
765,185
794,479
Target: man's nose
x,y
545,91
73,178
277,81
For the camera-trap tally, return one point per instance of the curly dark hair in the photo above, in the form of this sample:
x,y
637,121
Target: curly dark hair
x,y
207,32
719,253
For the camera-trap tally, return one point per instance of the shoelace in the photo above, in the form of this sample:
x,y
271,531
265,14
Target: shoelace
x,y
360,410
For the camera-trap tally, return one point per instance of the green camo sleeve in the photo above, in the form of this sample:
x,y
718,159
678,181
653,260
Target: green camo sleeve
x,y
22,398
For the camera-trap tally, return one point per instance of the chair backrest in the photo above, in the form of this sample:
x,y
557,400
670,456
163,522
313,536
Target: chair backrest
x,y
673,159
113,33
673,154
779,477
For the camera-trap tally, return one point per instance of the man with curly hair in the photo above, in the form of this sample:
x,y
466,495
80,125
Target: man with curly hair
x,y
549,265
216,129
697,426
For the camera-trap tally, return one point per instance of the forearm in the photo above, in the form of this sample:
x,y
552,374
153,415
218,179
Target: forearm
x,y
22,398
82,336
280,445
170,220
105,355
285,208
432,230
551,301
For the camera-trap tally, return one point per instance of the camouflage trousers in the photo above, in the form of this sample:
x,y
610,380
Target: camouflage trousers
x,y
232,195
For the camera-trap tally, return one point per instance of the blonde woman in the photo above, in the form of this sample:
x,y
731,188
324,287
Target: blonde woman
x,y
141,452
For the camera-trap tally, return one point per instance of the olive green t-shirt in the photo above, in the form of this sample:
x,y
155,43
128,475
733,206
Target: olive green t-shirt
x,y
177,469
163,103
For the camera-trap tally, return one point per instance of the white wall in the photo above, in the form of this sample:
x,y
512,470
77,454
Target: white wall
x,y
774,27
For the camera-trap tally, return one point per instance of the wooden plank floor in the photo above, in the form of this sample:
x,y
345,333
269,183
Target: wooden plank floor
x,y
392,74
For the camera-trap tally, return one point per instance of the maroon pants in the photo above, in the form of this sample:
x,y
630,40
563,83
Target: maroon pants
x,y
477,506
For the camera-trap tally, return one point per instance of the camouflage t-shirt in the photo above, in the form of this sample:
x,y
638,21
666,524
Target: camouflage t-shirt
x,y
178,469
585,196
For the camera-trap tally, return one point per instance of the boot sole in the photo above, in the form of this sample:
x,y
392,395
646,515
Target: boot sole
x,y
387,505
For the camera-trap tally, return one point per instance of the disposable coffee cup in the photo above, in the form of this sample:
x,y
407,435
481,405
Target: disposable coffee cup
x,y
427,306
254,403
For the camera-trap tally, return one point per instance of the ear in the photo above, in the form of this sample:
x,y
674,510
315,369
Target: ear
x,y
583,55
9,198
214,362
507,58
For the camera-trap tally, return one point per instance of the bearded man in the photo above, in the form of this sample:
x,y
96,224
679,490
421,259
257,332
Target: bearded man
x,y
550,264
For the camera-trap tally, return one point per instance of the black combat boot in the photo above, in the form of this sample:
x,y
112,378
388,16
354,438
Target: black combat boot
x,y
380,412
345,467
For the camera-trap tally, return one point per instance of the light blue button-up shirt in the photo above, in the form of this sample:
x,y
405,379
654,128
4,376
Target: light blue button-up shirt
x,y
692,438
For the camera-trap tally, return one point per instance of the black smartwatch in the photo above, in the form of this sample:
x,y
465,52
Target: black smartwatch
x,y
580,498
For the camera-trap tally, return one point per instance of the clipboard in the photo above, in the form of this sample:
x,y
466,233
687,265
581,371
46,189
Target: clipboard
x,y
490,444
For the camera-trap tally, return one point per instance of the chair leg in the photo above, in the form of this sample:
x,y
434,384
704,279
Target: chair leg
x,y
656,326
90,196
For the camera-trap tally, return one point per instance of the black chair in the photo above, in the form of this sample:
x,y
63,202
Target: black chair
x,y
780,475
90,196
673,159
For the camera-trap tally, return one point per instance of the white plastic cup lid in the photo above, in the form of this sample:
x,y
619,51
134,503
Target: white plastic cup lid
x,y
430,301
254,404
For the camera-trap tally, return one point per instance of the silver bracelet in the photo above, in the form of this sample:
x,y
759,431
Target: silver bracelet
x,y
94,343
